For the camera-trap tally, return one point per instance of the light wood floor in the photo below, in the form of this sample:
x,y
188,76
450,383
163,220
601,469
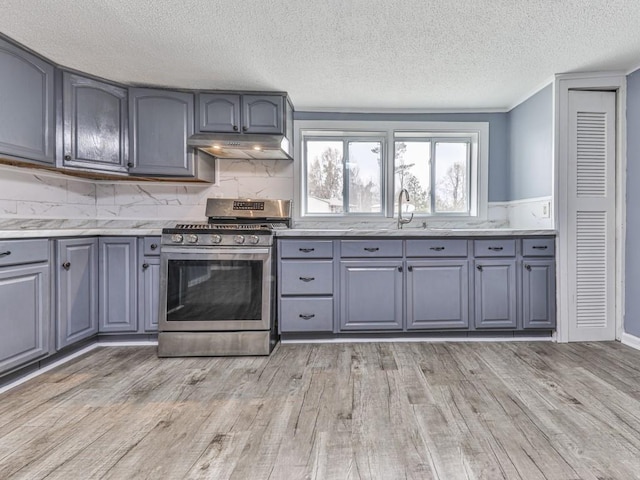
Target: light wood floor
x,y
341,411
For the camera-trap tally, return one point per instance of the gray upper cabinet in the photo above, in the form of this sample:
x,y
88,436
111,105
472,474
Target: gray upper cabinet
x,y
24,295
243,113
77,290
95,124
218,112
118,284
27,112
160,123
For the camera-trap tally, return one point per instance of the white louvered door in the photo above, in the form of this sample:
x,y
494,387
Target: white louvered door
x,y
591,215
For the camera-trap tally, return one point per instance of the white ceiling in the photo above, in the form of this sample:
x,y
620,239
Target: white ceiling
x,y
336,54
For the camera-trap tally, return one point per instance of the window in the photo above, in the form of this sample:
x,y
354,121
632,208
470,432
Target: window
x,y
357,169
343,175
435,171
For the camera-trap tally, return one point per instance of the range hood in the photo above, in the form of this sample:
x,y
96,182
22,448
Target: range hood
x,y
245,145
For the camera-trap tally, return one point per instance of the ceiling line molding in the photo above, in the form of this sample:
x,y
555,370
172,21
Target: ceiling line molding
x,y
540,87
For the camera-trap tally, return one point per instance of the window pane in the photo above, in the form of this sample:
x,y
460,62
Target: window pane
x,y
365,177
412,172
451,177
324,176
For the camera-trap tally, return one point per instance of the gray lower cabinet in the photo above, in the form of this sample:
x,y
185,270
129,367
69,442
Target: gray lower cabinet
x,y
95,124
306,314
118,284
495,293
160,123
371,295
76,273
27,96
26,303
148,283
538,294
437,294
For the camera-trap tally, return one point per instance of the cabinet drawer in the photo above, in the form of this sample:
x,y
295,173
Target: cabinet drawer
x,y
14,252
307,278
495,248
151,246
306,315
306,249
538,247
437,248
371,248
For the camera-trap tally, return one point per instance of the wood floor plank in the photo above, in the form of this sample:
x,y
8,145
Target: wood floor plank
x,y
387,411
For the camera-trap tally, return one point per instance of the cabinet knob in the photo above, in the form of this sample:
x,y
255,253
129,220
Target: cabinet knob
x,y
410,268
479,268
154,246
66,265
130,164
145,266
399,269
528,267
235,128
245,128
67,157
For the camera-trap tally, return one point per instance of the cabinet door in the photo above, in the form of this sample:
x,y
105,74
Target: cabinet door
x,y
218,112
438,294
25,318
95,124
27,121
118,284
371,295
160,123
495,294
77,290
538,294
262,113
149,293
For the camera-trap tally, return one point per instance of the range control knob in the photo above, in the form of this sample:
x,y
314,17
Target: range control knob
x,y
216,238
176,238
254,240
192,238
239,239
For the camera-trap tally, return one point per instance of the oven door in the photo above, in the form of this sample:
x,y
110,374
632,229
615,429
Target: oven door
x,y
215,289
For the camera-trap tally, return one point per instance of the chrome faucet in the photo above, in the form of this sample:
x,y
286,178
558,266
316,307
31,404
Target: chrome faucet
x,y
403,221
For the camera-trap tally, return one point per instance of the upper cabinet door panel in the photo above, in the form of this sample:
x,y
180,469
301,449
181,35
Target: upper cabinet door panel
x,y
27,121
161,122
95,124
218,113
262,113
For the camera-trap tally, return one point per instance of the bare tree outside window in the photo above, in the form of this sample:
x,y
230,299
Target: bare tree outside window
x,y
451,177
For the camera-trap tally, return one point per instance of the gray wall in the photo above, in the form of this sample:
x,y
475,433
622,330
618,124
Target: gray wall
x,y
531,146
498,138
632,253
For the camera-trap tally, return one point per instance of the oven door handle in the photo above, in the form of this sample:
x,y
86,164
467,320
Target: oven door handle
x,y
236,251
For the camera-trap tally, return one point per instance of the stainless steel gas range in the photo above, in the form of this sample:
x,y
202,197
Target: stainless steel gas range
x,y
217,283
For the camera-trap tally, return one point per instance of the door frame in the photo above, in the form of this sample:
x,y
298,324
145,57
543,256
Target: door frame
x,y
563,83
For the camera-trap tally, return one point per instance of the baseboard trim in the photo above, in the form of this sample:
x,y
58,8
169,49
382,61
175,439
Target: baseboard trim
x,y
630,340
419,340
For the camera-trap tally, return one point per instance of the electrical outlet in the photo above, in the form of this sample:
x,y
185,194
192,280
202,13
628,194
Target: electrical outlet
x,y
546,210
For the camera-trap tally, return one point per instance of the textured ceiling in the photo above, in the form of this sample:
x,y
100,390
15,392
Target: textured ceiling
x,y
359,54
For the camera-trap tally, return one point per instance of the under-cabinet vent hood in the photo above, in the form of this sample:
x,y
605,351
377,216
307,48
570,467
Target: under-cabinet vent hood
x,y
247,146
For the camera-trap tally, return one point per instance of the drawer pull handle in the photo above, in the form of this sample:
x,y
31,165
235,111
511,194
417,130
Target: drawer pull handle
x,y
437,249
66,265
154,246
5,254
307,279
371,249
539,247
496,249
479,267
307,316
528,267
306,250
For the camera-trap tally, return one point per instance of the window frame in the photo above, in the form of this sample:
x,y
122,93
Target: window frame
x,y
365,130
